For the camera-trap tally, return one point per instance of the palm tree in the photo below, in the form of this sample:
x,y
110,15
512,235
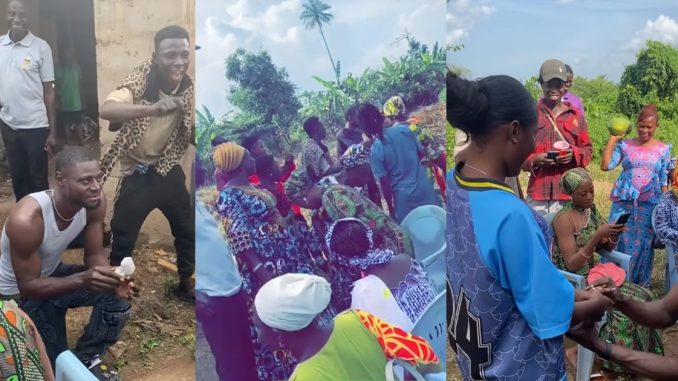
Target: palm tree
x,y
315,14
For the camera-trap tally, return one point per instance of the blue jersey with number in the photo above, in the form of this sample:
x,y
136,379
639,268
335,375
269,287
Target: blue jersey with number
x,y
508,306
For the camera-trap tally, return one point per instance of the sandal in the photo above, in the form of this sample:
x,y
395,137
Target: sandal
x,y
101,370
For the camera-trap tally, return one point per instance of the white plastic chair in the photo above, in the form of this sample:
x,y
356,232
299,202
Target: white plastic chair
x,y
670,271
70,368
425,226
585,356
431,326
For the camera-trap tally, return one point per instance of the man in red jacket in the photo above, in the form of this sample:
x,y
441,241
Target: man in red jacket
x,y
557,121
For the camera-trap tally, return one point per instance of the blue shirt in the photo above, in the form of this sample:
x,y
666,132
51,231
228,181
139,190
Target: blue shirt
x,y
505,291
396,156
216,272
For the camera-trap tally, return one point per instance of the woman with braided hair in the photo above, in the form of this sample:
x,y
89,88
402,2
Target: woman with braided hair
x,y
396,161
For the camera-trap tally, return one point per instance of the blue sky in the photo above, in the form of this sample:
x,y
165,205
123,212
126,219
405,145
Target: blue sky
x,y
596,37
361,33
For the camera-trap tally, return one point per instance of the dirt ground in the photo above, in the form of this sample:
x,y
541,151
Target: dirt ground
x,y
159,339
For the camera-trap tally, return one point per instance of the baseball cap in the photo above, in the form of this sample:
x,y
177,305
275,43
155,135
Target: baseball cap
x,y
552,69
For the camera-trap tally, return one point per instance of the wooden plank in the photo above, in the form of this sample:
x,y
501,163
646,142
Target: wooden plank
x,y
167,265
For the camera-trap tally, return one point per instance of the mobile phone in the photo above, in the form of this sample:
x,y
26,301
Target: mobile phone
x,y
552,155
623,218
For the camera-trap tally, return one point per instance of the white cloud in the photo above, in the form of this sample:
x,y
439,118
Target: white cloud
x,y
565,1
462,16
664,29
278,22
359,36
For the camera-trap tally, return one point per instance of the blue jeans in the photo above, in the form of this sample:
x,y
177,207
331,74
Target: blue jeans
x,y
105,326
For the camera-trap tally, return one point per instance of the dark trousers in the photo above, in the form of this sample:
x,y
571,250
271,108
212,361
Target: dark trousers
x,y
69,127
105,325
139,195
373,190
227,330
27,159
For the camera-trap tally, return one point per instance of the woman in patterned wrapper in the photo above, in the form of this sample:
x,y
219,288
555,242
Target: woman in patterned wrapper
x,y
392,286
261,243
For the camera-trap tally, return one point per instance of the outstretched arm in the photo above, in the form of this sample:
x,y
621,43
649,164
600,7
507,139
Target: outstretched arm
x,y
641,363
660,313
119,107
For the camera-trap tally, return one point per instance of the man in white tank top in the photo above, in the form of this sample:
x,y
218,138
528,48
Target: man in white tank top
x,y
36,234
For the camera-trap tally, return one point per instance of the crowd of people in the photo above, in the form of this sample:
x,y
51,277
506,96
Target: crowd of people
x,y
322,282
151,111
505,250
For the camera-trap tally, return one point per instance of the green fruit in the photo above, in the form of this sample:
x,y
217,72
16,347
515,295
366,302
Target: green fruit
x,y
619,126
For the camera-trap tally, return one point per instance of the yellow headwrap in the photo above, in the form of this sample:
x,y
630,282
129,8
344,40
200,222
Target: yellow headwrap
x,y
394,106
228,156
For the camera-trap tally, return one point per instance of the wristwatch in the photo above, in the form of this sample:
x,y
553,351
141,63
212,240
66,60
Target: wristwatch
x,y
608,350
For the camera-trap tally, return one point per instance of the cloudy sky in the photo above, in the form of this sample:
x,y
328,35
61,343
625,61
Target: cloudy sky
x,y
596,37
361,33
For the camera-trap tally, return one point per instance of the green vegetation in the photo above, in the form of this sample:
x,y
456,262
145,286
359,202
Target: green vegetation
x,y
267,103
652,79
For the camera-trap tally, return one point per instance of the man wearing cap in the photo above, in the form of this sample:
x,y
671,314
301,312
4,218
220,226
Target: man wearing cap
x,y
571,98
557,122
27,103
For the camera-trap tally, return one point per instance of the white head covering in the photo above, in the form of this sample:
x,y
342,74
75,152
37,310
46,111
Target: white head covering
x,y
290,302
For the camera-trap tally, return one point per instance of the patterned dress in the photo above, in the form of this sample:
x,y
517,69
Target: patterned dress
x,y
414,293
667,219
20,359
618,328
296,224
637,190
251,221
582,237
341,201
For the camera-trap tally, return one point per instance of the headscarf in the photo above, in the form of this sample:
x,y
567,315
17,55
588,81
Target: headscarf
x,y
571,179
228,156
355,156
372,257
394,106
290,302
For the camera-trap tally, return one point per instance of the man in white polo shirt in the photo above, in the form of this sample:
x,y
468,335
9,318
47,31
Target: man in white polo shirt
x,y
27,103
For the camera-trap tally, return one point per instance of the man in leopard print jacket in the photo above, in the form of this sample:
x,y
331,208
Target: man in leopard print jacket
x,y
152,112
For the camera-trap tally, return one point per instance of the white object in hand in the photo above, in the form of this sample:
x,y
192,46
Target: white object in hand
x,y
127,266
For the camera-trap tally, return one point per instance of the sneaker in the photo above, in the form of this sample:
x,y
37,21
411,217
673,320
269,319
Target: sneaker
x,y
101,370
